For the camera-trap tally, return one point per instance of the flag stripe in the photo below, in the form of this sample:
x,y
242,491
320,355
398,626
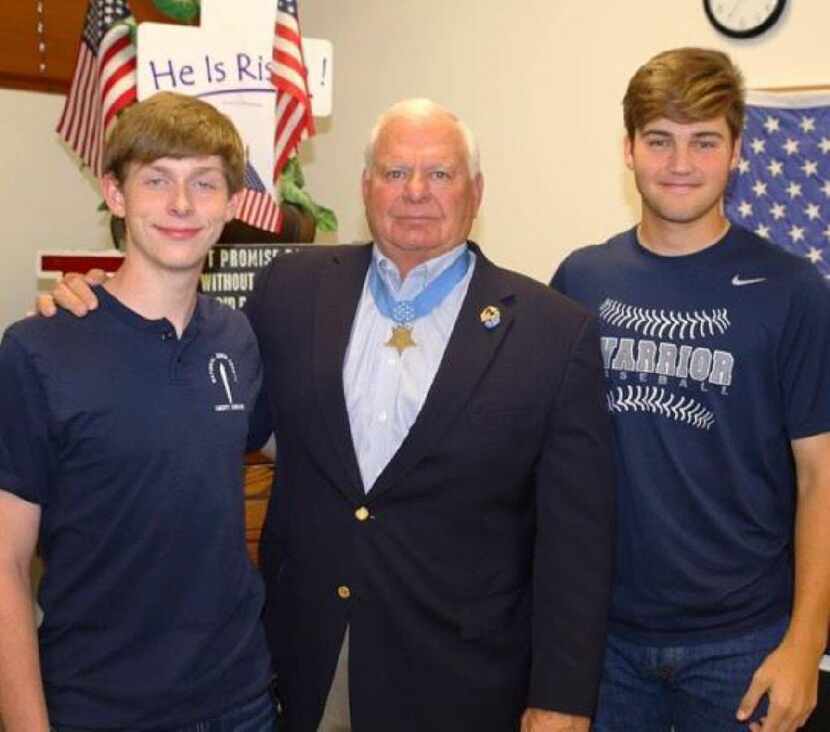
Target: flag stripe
x,y
127,97
104,81
294,122
69,117
259,209
117,40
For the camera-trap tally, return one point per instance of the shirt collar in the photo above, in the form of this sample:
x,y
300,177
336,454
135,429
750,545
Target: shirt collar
x,y
419,277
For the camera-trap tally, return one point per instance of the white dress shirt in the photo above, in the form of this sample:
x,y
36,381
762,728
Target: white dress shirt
x,y
386,390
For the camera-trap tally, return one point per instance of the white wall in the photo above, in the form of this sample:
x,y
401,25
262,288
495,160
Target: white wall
x,y
45,203
540,81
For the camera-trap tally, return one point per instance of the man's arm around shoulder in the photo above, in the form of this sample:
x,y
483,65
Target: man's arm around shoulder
x,y
73,293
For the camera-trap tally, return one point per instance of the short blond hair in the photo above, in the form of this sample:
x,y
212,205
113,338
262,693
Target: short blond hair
x,y
170,125
685,85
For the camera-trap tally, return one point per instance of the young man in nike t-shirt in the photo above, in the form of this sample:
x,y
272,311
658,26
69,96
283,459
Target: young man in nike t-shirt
x,y
716,346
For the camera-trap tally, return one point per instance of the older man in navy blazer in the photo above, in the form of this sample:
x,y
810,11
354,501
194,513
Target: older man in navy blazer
x,y
438,546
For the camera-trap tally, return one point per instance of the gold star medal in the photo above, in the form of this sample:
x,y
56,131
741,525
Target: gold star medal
x,y
401,339
403,313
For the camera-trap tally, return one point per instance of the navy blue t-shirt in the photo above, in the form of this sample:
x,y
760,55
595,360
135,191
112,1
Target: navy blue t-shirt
x,y
714,362
131,442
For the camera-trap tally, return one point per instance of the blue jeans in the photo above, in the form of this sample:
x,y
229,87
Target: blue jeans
x,y
689,688
257,715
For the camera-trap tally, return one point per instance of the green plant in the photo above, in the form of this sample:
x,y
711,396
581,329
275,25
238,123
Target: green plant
x,y
291,184
183,11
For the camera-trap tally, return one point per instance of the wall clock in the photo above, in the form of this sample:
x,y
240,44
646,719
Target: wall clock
x,y
743,18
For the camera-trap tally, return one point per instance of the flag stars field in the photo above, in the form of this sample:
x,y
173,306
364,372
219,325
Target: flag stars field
x,y
796,233
809,168
787,139
790,146
807,124
759,189
775,168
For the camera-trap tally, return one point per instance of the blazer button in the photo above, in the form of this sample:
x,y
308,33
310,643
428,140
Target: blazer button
x,y
362,513
344,592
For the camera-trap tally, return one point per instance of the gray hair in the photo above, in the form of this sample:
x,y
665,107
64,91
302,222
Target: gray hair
x,y
422,108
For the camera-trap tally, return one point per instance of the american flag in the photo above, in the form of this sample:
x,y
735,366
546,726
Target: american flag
x,y
781,188
258,207
104,81
288,75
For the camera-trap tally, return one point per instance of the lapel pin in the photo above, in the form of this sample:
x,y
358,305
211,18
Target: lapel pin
x,y
490,317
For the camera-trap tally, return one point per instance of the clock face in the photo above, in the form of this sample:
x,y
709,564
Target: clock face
x,y
743,18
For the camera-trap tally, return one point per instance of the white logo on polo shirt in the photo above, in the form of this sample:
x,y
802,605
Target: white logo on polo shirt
x,y
222,372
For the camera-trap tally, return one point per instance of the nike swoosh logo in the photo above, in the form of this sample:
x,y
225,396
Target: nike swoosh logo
x,y
738,282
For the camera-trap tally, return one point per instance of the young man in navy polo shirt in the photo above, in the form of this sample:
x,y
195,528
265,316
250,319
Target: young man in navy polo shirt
x,y
716,347
121,443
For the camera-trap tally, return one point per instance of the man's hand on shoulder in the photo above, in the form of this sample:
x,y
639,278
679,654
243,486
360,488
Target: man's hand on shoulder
x,y
72,293
789,676
542,720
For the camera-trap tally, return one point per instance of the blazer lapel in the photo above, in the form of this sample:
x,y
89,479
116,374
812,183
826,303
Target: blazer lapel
x,y
341,284
469,352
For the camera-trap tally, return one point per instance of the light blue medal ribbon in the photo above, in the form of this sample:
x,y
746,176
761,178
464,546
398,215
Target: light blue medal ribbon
x,y
405,312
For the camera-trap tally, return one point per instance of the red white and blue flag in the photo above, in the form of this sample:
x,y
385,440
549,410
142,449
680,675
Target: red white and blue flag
x,y
104,81
781,189
258,207
289,76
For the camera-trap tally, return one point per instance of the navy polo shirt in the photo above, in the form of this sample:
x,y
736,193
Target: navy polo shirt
x,y
131,442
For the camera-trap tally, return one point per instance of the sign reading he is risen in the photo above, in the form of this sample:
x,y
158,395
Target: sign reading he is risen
x,y
225,61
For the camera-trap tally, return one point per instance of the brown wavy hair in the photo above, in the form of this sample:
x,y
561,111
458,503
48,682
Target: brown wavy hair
x,y
685,85
170,125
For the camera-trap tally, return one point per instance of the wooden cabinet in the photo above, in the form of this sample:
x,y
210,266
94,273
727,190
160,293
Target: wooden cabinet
x,y
61,22
259,472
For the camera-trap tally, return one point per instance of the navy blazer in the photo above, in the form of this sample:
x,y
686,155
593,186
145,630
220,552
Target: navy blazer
x,y
475,575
